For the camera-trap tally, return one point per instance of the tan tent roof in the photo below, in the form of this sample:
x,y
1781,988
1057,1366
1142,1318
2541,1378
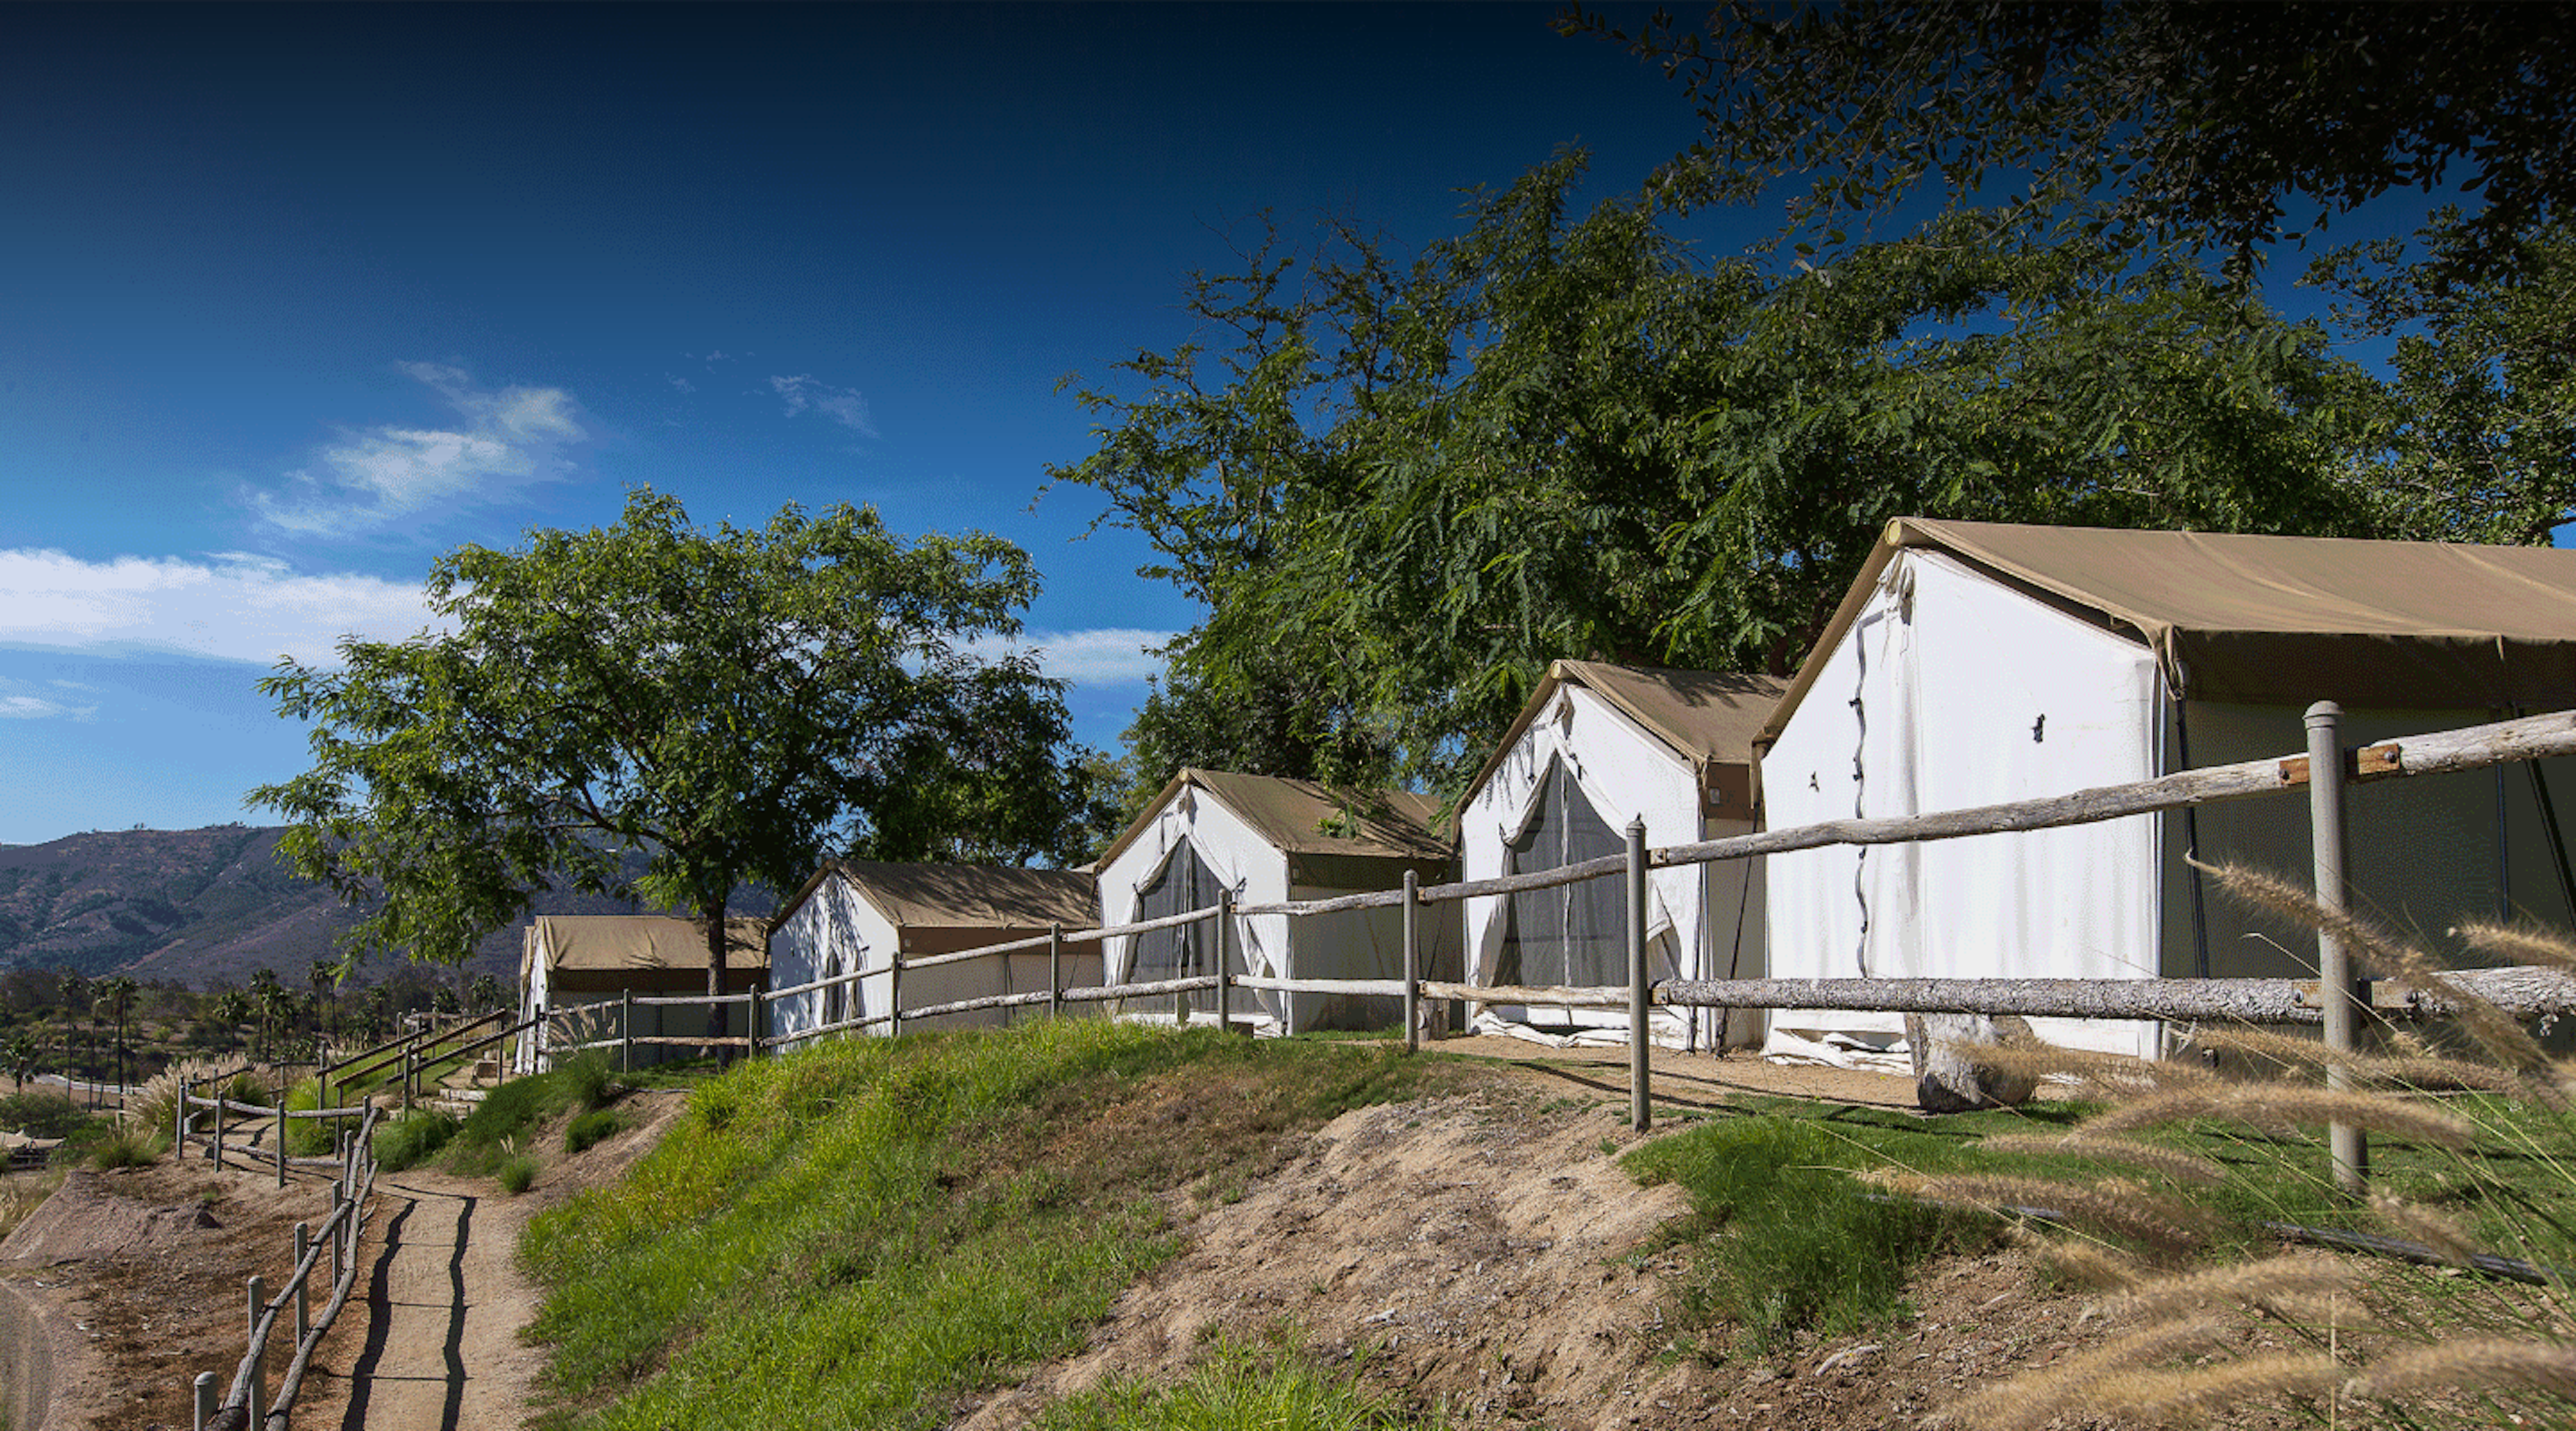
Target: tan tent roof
x,y
916,896
1709,718
2283,620
608,942
1316,825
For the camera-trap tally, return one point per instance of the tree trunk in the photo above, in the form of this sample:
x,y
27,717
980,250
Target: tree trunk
x,y
713,911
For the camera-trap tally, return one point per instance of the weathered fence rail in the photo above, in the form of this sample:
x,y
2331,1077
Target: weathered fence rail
x,y
340,1235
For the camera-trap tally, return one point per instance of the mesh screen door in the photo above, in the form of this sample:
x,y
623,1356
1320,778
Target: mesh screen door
x,y
1187,950
1573,934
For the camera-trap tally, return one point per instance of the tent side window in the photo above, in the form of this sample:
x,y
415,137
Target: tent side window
x,y
1183,951
1571,934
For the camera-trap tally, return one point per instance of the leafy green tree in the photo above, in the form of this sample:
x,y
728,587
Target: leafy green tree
x,y
484,994
2219,125
1402,488
732,705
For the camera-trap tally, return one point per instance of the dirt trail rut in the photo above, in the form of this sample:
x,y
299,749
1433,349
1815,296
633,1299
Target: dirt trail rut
x,y
441,1349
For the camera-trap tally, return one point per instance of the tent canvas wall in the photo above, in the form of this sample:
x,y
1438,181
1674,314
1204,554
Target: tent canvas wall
x,y
856,916
1270,840
568,961
1596,746
1975,663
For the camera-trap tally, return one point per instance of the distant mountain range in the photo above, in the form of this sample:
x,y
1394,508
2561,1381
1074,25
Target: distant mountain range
x,y
198,906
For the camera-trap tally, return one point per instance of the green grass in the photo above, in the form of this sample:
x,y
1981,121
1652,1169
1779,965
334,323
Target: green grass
x,y
593,1128
490,1135
413,1138
1240,1388
1787,1240
308,1137
854,1234
517,1173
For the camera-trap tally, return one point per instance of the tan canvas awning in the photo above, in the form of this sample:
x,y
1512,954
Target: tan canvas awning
x,y
1708,718
2283,620
603,943
1362,839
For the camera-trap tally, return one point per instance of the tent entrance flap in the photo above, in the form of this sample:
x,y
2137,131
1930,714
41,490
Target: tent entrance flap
x,y
1570,934
1184,951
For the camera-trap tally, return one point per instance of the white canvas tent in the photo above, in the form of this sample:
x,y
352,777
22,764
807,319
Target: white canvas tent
x,y
1270,840
1974,663
856,916
1596,746
569,961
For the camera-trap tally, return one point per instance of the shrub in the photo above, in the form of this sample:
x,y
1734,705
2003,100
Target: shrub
x,y
153,1105
413,1138
588,1078
592,1128
307,1137
125,1148
517,1173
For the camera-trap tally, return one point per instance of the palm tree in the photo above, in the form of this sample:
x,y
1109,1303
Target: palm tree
x,y
324,976
233,1008
21,1052
75,992
115,1001
267,997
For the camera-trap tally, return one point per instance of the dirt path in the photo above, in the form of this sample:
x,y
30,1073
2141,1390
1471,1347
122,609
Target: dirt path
x,y
443,1305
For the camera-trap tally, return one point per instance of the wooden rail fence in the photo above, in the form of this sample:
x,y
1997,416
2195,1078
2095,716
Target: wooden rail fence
x,y
2531,992
240,1405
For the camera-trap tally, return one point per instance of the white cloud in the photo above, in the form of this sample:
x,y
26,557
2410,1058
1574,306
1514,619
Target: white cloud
x,y
38,708
232,606
1111,656
376,476
841,405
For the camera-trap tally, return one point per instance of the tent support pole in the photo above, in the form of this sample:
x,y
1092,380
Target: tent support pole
x,y
2334,967
1640,1096
2191,848
1412,962
1224,977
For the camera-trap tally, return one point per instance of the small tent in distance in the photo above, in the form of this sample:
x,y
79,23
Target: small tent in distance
x,y
1975,663
1270,840
859,916
579,968
1598,745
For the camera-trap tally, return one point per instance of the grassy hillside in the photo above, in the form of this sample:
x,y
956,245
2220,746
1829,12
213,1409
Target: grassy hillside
x,y
855,1235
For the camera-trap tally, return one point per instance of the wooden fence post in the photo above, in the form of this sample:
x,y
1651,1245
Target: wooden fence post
x,y
1224,976
259,1354
894,991
1412,963
626,1030
2351,1152
751,1021
406,1083
1055,971
206,1394
303,1305
1640,1096
215,1145
281,1137
179,1119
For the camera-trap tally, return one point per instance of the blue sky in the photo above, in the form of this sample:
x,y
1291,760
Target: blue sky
x,y
293,300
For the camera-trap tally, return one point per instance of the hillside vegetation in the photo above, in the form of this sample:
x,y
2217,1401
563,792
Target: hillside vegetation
x,y
857,1235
